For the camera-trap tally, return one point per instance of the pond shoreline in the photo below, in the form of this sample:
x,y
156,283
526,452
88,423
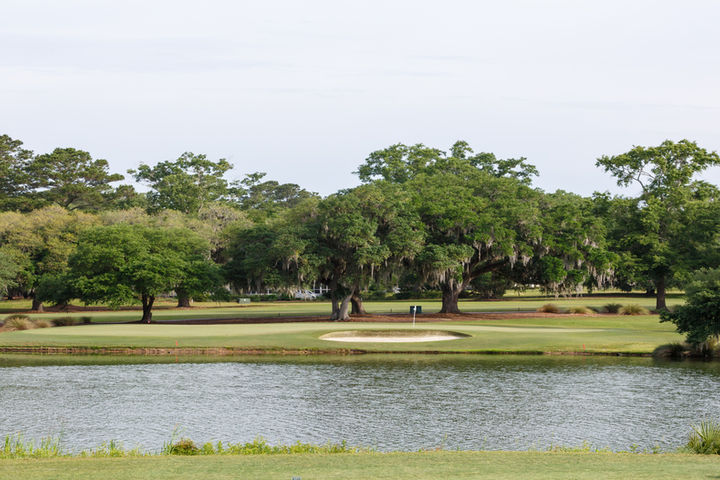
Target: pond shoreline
x,y
231,351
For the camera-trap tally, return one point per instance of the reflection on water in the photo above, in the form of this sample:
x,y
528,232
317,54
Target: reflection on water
x,y
397,403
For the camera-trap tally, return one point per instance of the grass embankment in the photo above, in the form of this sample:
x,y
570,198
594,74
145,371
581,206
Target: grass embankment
x,y
562,333
419,465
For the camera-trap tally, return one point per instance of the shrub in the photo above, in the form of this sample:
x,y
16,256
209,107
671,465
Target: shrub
x,y
42,323
549,308
580,310
18,322
671,350
64,321
699,318
612,307
633,310
184,446
705,438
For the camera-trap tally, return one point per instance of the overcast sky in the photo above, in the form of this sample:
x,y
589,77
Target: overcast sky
x,y
304,90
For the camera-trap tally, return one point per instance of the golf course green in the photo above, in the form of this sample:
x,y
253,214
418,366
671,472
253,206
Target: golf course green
x,y
510,331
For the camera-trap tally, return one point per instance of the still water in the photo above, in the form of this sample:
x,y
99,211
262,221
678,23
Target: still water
x,y
404,403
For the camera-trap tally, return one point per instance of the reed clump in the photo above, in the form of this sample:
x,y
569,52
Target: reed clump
x,y
549,308
17,322
633,310
580,310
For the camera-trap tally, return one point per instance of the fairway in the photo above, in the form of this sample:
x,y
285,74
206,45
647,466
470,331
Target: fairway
x,y
395,466
608,334
165,309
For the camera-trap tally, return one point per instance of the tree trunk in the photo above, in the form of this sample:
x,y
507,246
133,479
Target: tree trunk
x,y
37,305
341,312
147,304
344,313
660,302
357,304
335,307
184,300
450,296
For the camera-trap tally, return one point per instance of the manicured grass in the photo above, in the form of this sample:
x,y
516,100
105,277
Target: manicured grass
x,y
419,465
555,334
165,308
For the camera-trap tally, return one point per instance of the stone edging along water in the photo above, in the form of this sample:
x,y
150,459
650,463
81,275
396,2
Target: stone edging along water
x,y
231,351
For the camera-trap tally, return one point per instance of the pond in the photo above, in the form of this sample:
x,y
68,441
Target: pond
x,y
389,403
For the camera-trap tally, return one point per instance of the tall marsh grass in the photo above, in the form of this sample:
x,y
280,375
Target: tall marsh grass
x,y
259,446
15,446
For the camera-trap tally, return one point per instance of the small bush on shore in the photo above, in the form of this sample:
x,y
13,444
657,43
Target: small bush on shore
x,y
672,350
705,438
184,446
549,308
612,307
633,310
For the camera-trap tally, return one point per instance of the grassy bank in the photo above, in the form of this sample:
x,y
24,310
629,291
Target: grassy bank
x,y
419,465
564,333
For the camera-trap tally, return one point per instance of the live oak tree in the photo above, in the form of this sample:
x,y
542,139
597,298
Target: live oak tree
x,y
363,234
273,255
675,216
573,252
400,163
344,241
478,213
475,223
121,264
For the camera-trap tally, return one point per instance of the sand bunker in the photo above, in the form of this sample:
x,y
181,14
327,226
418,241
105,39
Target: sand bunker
x,y
392,336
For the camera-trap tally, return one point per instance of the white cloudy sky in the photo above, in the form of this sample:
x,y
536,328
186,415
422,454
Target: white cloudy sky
x,y
305,90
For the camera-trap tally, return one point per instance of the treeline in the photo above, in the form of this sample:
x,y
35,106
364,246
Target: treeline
x,y
422,218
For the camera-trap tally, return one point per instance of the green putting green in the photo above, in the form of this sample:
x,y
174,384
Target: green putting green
x,y
620,334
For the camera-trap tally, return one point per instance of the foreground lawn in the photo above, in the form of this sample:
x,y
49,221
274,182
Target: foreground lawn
x,y
422,465
554,334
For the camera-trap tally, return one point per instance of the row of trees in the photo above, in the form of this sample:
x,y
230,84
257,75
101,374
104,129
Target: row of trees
x,y
422,218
